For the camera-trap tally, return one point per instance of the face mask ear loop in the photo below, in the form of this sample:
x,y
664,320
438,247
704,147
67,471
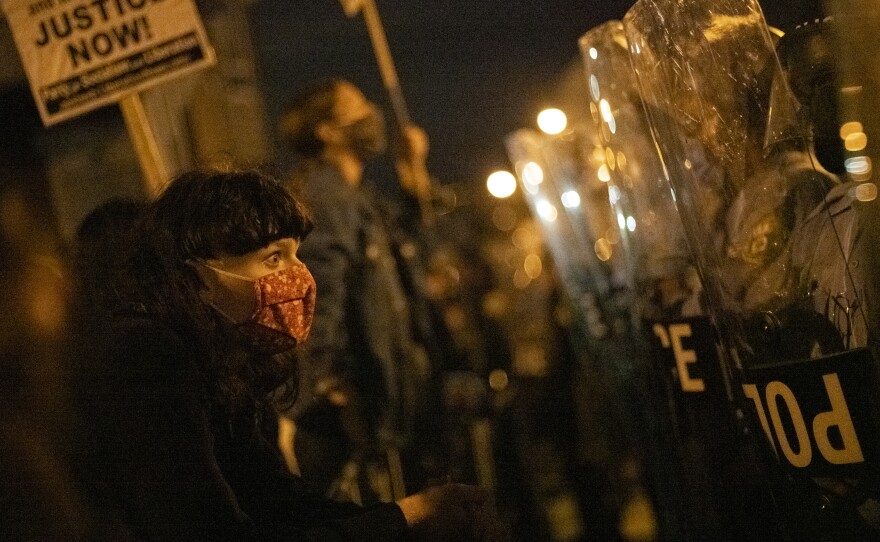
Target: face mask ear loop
x,y
202,263
220,271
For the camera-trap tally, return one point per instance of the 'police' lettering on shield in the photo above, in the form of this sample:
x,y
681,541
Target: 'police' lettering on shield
x,y
818,415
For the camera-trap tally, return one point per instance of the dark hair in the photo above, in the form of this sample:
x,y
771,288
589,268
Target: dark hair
x,y
104,240
202,215
305,113
107,219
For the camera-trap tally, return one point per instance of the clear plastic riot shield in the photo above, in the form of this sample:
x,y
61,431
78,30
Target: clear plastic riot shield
x,y
653,242
584,279
716,463
772,237
551,180
567,190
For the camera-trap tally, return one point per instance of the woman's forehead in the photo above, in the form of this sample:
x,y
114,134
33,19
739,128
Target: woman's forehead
x,y
287,243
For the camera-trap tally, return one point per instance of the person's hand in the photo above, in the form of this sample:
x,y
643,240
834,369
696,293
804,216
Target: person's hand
x,y
452,512
413,147
412,153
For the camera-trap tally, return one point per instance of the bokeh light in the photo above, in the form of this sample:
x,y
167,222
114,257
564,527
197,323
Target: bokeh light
x,y
532,174
866,192
571,199
533,266
498,380
547,211
552,121
603,249
501,184
850,128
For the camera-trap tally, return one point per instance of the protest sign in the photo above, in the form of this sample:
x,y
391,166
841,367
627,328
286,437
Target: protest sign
x,y
82,54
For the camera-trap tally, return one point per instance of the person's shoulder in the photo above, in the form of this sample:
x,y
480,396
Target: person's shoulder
x,y
132,355
802,172
145,328
145,344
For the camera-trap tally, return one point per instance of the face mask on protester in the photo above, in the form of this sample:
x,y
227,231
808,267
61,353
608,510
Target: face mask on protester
x,y
367,135
285,308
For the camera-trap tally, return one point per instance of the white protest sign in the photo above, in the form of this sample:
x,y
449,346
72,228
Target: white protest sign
x,y
82,54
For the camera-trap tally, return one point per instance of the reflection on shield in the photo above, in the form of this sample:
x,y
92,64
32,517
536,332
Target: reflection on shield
x,y
752,195
744,135
659,264
561,182
567,188
717,467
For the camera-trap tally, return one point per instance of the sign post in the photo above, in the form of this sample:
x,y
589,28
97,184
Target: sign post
x,y
144,141
395,93
83,54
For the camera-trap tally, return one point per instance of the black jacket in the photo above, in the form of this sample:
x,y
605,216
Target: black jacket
x,y
156,456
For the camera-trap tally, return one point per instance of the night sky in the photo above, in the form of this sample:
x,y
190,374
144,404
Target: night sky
x,y
471,71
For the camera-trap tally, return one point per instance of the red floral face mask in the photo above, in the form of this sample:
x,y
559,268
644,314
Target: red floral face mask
x,y
284,310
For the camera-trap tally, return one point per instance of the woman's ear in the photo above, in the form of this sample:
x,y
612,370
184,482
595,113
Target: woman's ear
x,y
209,283
206,276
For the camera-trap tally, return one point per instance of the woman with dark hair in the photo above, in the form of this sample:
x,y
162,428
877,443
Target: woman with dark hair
x,y
177,386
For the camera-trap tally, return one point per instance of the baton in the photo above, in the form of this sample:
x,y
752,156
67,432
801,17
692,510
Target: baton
x,y
392,86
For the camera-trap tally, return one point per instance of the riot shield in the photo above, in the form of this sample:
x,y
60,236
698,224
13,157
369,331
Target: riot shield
x,y
716,462
772,234
551,179
652,240
566,188
583,280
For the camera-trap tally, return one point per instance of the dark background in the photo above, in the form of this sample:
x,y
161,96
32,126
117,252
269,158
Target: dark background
x,y
471,71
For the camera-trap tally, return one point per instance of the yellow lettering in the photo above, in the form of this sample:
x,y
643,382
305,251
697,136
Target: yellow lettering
x,y
805,451
851,452
661,334
683,357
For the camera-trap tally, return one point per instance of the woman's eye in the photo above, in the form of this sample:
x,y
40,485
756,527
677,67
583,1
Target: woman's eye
x,y
273,260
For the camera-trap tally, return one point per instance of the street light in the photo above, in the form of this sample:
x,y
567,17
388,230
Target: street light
x,y
552,121
501,184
